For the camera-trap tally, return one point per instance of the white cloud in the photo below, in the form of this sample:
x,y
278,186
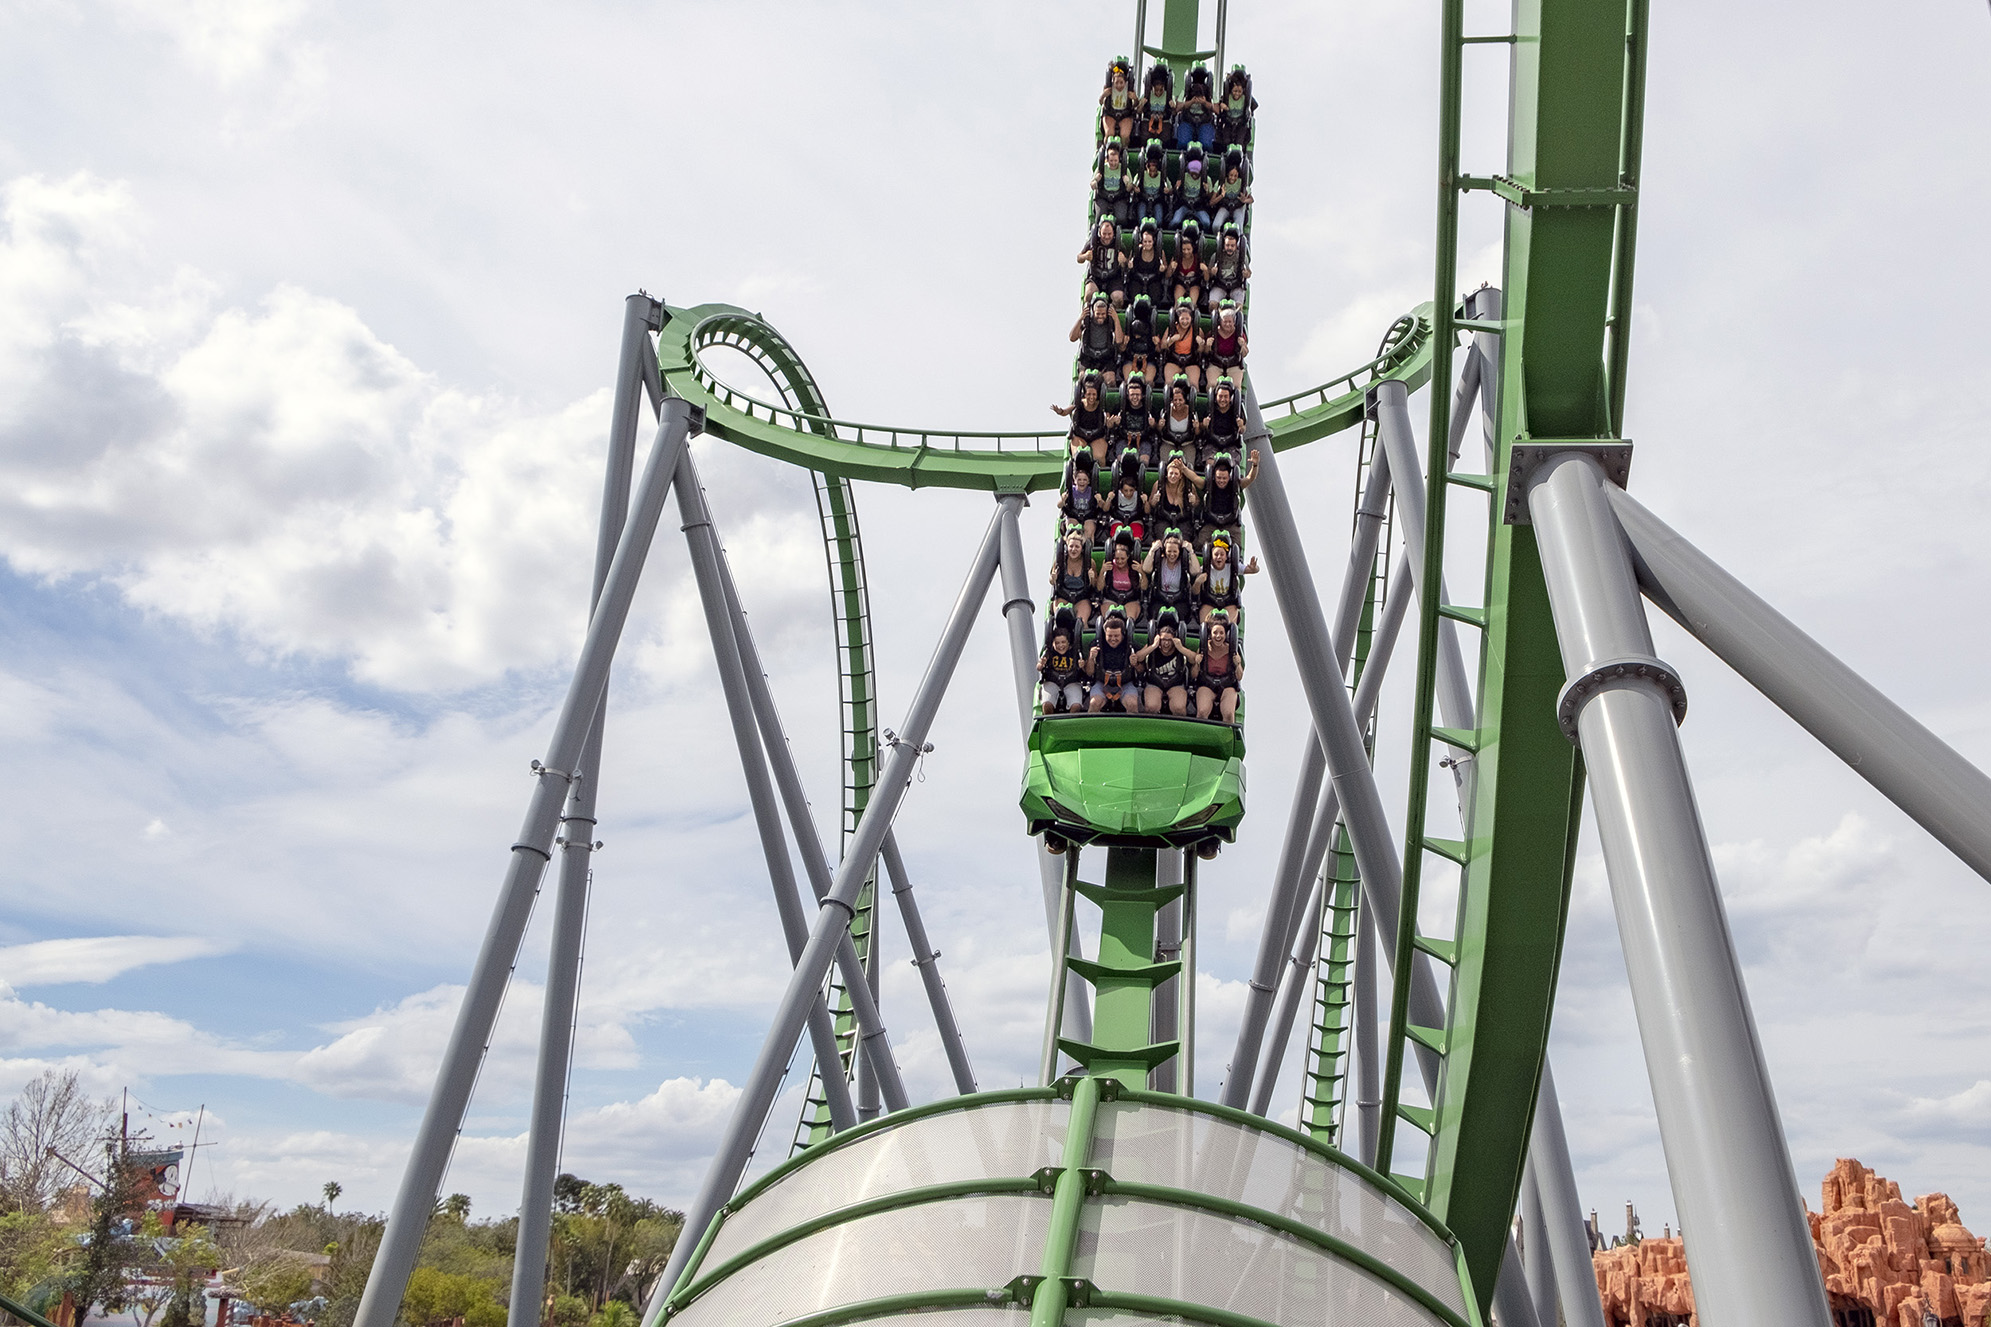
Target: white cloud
x,y
98,958
230,39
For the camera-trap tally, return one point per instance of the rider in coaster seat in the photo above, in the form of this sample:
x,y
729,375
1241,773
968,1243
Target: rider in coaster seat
x,y
1196,117
1195,190
1061,669
1110,664
1087,412
1112,185
1219,671
1229,269
1166,667
1116,585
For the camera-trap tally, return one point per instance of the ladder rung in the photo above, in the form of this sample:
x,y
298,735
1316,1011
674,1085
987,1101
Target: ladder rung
x,y
1425,1121
1472,617
1463,738
1445,951
1484,483
1434,1038
1452,850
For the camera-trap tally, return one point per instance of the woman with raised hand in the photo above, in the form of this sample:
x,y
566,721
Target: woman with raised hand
x,y
1173,503
1219,671
1118,103
1087,412
1219,588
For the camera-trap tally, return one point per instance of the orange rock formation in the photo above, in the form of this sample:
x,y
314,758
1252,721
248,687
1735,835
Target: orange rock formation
x,y
1885,1263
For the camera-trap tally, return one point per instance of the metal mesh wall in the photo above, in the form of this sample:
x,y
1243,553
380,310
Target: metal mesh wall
x,y
1002,1315
952,1244
1187,1150
1204,1258
1007,1139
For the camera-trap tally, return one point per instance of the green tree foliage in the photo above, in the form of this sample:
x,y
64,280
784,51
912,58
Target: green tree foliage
x,y
101,1276
275,1281
435,1297
33,1251
606,1245
188,1257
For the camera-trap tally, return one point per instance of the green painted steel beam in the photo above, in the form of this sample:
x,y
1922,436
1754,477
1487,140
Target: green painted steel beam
x,y
1565,192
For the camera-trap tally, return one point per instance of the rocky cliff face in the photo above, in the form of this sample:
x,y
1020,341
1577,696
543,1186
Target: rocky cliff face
x,y
1886,1263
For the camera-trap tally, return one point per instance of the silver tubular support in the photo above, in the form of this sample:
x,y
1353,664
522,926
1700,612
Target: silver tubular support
x,y
1223,13
832,921
1535,1247
1293,985
1462,400
407,1220
1486,304
1054,1016
1274,934
795,800
1908,764
1187,1059
703,544
927,959
706,560
640,315
1165,1022
1748,1244
1367,1098
1320,675
1511,1303
1367,692
1282,910
1019,618
1455,702
1140,39
1562,1212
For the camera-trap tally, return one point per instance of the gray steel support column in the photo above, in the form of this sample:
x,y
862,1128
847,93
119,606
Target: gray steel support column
x,y
1911,766
1486,304
1455,702
1367,692
727,624
640,316
1511,1304
1019,617
1166,1022
1293,985
832,920
927,959
1282,910
1367,1098
1470,380
408,1219
1748,1244
1535,1246
1562,1212
703,545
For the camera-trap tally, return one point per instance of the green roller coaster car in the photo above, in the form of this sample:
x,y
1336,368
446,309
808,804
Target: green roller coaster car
x,y
1134,781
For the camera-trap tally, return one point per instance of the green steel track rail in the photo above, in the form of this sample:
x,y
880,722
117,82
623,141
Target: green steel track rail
x,y
1568,195
803,433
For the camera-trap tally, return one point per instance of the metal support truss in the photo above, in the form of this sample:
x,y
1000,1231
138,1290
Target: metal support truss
x,y
408,1219
832,921
1748,1242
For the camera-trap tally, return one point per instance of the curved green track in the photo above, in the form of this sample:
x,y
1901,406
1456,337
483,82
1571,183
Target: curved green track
x,y
803,433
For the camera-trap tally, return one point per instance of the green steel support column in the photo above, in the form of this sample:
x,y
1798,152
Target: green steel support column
x,y
1573,147
1125,975
1178,31
1048,1302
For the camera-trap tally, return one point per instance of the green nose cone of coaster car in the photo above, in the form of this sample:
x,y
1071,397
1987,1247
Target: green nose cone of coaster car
x,y
1134,781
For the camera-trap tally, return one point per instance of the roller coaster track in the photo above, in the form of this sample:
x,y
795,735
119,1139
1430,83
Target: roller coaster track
x,y
803,433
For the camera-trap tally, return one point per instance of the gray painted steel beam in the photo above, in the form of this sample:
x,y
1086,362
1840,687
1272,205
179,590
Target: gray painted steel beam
x,y
1535,1259
703,543
927,959
640,315
1748,1244
1911,766
795,801
1282,911
1512,1306
1562,1212
832,920
408,1219
1019,618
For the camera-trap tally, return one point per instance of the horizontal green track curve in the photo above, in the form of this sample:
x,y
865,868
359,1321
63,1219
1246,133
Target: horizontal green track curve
x,y
930,458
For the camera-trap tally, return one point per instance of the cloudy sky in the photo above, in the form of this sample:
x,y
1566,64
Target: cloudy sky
x,y
307,314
